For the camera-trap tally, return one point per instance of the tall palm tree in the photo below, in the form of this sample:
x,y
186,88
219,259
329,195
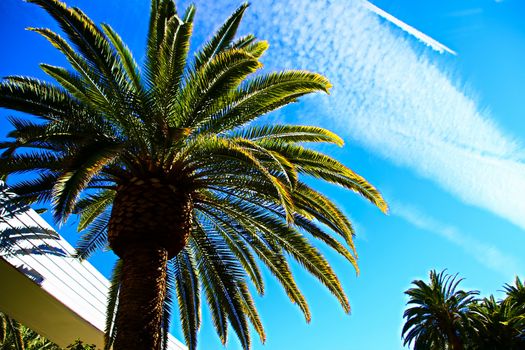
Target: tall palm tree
x,y
165,164
439,317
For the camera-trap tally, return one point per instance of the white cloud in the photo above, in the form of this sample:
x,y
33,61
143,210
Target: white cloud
x,y
391,98
487,255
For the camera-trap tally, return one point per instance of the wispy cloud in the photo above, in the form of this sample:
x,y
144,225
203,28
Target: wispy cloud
x,y
392,99
487,255
425,39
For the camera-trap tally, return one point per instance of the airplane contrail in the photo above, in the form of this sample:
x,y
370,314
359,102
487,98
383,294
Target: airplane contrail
x,y
434,44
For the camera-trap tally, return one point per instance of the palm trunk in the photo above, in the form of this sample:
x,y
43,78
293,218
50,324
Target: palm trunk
x,y
142,293
150,223
455,342
16,331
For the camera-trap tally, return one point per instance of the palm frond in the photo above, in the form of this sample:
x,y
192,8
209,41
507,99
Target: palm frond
x,y
125,57
289,133
73,181
110,330
224,72
94,237
221,275
222,38
187,287
261,95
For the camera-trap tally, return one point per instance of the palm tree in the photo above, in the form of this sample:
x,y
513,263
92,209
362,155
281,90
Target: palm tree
x,y
516,294
500,324
10,333
497,325
14,336
167,163
439,317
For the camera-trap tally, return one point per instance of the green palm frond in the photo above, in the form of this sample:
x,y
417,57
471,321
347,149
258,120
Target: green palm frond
x,y
37,97
167,308
289,134
516,293
224,72
91,207
268,254
222,38
88,162
318,165
172,64
3,329
161,12
36,190
88,39
112,308
94,237
125,57
221,275
187,288
262,95
274,230
31,161
243,41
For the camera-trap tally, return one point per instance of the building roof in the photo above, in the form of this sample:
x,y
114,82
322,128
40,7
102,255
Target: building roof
x,y
44,287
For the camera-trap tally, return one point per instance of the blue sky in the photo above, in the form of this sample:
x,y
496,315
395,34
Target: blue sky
x,y
440,134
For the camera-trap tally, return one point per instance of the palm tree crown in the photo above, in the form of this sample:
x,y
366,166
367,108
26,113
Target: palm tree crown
x,y
497,325
516,294
164,163
439,315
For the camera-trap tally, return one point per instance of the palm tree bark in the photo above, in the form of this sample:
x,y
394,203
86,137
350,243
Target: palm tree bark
x,y
455,341
150,223
150,212
142,293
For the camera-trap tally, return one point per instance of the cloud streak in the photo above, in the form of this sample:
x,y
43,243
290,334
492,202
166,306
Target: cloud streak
x,y
425,39
391,98
485,254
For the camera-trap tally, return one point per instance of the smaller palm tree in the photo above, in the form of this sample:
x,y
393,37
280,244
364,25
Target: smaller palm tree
x,y
15,336
10,333
439,314
497,325
516,294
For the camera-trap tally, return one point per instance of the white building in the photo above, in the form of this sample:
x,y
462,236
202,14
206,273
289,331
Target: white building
x,y
43,287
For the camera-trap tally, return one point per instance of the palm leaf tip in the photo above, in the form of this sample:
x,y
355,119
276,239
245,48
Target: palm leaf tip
x,y
328,87
382,204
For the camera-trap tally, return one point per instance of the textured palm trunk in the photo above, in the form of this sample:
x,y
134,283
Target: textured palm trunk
x,y
150,223
142,292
